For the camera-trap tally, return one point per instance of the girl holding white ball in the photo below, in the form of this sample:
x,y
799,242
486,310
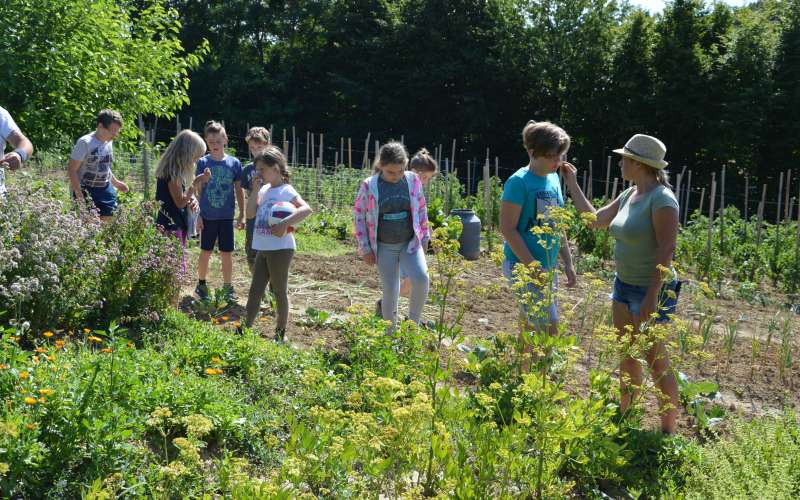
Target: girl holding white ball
x,y
280,208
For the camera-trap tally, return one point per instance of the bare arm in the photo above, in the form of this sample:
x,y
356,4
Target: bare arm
x,y
75,183
604,215
564,251
509,217
180,198
237,186
18,141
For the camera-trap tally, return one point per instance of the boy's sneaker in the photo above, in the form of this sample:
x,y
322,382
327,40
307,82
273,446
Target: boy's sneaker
x,y
229,294
202,292
280,335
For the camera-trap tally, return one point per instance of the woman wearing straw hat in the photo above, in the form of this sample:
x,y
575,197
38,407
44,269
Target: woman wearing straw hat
x,y
644,222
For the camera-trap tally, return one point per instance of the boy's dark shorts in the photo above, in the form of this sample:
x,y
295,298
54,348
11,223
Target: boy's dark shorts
x,y
214,230
103,198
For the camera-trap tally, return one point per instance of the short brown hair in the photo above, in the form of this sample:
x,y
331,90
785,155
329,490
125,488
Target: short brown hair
x,y
422,161
258,134
272,156
108,116
392,152
213,127
544,138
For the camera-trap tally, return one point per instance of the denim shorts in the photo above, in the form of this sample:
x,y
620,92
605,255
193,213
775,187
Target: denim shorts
x,y
632,296
508,268
104,198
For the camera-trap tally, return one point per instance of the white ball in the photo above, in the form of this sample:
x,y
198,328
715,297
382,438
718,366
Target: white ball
x,y
280,211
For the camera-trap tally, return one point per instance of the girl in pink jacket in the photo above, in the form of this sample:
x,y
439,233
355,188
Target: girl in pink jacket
x,y
391,226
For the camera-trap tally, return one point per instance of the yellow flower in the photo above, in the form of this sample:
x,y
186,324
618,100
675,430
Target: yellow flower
x,y
87,330
30,401
23,375
60,344
48,334
46,392
95,339
106,350
39,349
224,318
50,358
236,324
3,366
213,371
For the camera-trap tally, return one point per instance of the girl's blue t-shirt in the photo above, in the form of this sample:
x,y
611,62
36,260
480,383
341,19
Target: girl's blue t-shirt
x,y
535,195
218,200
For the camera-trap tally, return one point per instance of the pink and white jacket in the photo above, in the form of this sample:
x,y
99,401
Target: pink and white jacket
x,y
365,213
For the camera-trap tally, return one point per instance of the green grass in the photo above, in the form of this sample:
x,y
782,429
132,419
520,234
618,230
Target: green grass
x,y
320,244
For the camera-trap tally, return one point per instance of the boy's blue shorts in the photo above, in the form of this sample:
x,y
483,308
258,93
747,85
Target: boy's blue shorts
x,y
551,310
214,230
104,198
632,296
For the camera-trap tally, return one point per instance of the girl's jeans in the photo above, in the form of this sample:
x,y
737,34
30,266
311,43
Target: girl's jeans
x,y
390,258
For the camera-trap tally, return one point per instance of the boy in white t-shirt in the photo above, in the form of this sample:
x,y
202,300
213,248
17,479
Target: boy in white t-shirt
x,y
10,133
90,164
274,244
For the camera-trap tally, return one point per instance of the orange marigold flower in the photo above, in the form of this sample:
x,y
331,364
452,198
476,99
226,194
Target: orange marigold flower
x,y
39,349
237,324
213,371
3,366
225,318
30,427
30,401
35,360
87,330
60,344
23,375
95,339
46,392
48,334
107,349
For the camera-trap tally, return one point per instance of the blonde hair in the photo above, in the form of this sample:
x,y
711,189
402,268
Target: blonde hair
x,y
272,156
178,160
391,153
544,139
422,161
258,134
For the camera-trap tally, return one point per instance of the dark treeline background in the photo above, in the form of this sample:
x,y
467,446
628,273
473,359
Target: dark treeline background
x,y
719,85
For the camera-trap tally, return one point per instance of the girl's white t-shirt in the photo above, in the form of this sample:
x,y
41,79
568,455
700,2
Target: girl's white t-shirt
x,y
262,235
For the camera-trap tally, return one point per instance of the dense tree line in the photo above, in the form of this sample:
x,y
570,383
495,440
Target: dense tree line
x,y
718,84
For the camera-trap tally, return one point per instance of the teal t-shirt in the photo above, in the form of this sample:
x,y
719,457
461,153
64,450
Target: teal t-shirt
x,y
535,194
632,228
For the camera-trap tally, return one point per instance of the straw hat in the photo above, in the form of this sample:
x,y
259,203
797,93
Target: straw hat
x,y
646,149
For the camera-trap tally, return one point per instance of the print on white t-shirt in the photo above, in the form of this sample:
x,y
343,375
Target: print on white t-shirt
x,y
262,235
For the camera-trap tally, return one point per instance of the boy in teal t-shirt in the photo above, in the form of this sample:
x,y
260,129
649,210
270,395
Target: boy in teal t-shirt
x,y
527,198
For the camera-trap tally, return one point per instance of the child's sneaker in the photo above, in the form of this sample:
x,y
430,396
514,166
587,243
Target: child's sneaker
x,y
202,292
229,294
280,335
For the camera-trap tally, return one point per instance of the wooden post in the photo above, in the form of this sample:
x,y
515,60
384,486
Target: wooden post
x,y
702,200
146,170
319,182
190,123
365,162
711,200
614,189
377,150
780,192
746,197
584,182
786,196
335,159
286,148
308,145
446,187
608,176
688,199
678,191
469,177
797,248
341,150
349,152
453,158
321,149
294,147
722,212
402,139
177,123
487,207
313,156
760,216
589,192
271,137
497,167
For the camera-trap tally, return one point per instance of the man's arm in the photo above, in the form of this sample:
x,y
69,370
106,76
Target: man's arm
x,y
23,149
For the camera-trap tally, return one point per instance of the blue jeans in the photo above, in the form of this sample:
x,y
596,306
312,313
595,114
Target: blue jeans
x,y
550,312
633,295
390,258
